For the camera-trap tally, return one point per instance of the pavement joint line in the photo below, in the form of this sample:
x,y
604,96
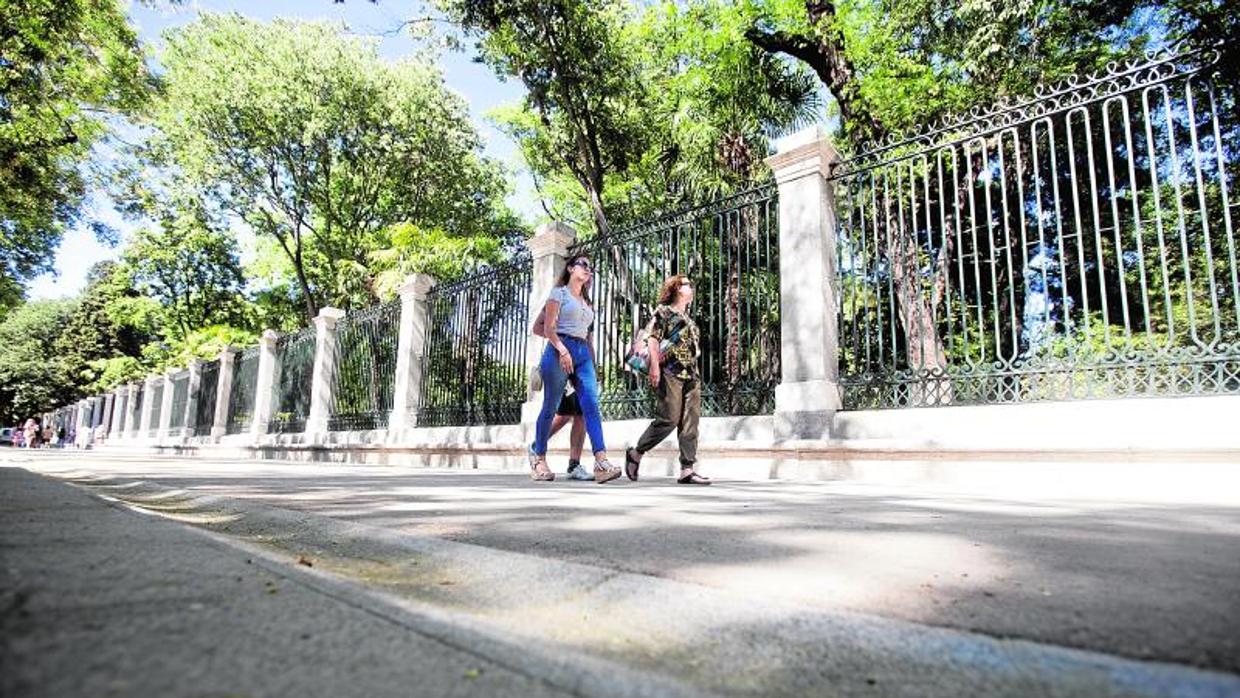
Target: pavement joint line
x,y
259,509
453,630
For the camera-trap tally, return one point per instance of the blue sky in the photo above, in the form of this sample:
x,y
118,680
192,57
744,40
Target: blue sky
x,y
474,81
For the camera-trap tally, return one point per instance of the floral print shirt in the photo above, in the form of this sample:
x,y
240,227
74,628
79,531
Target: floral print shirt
x,y
679,359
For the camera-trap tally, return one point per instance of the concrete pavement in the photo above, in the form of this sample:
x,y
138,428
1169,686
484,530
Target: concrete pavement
x,y
97,601
745,588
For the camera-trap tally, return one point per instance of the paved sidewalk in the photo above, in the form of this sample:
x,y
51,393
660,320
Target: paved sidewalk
x,y
99,601
765,577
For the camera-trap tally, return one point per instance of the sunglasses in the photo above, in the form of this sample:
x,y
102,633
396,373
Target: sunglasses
x,y
584,265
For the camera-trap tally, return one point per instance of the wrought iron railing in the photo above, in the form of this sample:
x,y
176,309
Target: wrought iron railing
x,y
365,367
241,394
474,365
157,406
1079,244
180,399
208,389
295,363
730,250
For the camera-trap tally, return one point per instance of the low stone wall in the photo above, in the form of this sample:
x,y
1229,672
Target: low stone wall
x,y
1140,447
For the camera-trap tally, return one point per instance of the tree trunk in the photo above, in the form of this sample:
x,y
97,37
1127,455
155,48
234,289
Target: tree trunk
x,y
922,345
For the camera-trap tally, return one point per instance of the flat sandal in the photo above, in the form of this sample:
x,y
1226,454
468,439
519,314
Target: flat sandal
x,y
604,471
536,460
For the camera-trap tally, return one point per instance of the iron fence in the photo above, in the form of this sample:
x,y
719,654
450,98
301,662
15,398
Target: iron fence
x,y
241,395
1075,245
180,399
157,406
295,366
474,366
208,389
96,412
62,420
365,368
730,250
109,407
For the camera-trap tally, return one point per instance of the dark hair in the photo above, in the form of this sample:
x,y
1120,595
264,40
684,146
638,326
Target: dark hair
x,y
671,287
567,273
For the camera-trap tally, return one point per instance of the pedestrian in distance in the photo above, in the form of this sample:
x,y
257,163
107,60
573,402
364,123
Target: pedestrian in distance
x,y
32,433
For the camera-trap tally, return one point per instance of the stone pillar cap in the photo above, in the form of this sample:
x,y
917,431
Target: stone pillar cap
x,y
808,151
416,286
552,239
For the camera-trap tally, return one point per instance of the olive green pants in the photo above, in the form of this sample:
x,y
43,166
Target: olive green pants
x,y
679,408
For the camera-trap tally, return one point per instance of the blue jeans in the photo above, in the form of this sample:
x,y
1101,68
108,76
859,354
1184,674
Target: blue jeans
x,y
555,380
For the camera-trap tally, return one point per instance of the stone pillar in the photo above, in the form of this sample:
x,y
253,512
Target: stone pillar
x,y
108,416
808,395
191,400
223,392
82,431
133,407
120,407
165,407
265,389
411,348
323,378
549,248
148,403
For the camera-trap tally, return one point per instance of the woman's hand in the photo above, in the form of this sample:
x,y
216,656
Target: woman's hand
x,y
654,375
566,361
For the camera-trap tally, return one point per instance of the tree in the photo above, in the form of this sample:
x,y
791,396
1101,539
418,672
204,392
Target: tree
x,y
320,146
894,66
717,98
92,332
65,65
189,273
581,82
32,381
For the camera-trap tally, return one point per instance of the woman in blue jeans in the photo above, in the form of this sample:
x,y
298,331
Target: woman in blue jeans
x,y
569,318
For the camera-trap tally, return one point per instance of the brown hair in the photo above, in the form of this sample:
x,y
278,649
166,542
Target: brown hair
x,y
567,273
671,287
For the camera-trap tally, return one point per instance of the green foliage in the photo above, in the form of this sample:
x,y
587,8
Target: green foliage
x,y
188,275
106,374
32,379
630,111
717,98
92,331
66,65
581,82
433,252
303,132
